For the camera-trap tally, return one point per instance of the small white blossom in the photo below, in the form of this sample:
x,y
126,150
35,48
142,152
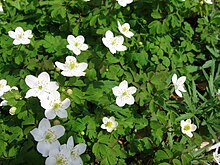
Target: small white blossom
x,y
75,152
20,36
4,87
187,128
54,106
124,29
47,136
40,85
124,94
124,2
12,110
218,92
216,155
179,84
208,2
113,43
1,8
76,44
72,67
57,157
109,124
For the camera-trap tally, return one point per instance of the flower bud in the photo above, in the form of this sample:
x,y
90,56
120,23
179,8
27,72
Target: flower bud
x,y
56,122
82,133
12,110
69,91
57,69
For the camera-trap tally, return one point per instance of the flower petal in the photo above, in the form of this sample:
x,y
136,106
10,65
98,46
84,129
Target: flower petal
x,y
44,125
31,81
174,79
120,101
50,114
81,148
59,130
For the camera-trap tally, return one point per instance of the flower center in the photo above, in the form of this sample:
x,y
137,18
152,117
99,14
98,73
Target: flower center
x,y
76,44
114,41
56,105
108,124
187,127
20,36
72,65
61,160
124,29
40,87
50,136
124,93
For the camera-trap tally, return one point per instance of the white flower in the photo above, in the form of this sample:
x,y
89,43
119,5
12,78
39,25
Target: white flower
x,y
109,124
218,92
124,29
54,106
72,67
1,8
208,1
113,43
57,157
187,128
20,36
216,155
12,110
47,136
40,85
76,44
179,84
124,2
4,87
75,152
124,94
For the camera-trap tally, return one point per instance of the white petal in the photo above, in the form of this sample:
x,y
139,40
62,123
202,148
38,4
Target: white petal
x,y
120,101
70,39
188,121
37,134
181,80
123,85
28,34
80,39
104,120
77,161
31,81
59,130
50,161
178,93
174,79
81,148
182,123
117,91
82,66
217,145
193,127
76,50
65,103
25,41
129,100
112,50
44,76
17,42
43,148
50,114
109,34
71,58
44,125
61,65
121,48
131,90
62,114
52,86
188,133
103,126
54,152
31,92
84,47
70,142
19,30
12,34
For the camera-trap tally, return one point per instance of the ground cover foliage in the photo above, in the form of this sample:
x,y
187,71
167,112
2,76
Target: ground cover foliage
x,y
170,37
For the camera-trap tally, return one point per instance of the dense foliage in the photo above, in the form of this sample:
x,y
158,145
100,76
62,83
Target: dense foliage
x,y
170,37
